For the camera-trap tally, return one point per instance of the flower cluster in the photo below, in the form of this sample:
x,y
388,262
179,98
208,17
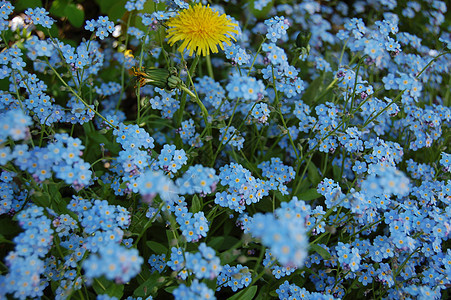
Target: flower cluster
x,y
235,277
283,232
102,26
243,188
197,290
203,264
39,16
25,262
197,179
297,150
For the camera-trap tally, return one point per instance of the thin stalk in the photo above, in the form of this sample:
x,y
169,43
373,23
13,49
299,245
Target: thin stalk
x,y
209,67
123,69
276,104
76,95
183,97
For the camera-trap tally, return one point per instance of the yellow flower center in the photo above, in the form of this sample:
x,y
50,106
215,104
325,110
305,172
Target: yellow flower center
x,y
201,30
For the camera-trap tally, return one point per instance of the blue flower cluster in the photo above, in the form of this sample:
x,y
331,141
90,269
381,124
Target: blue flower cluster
x,y
165,102
5,10
215,97
150,183
235,277
197,180
25,263
292,291
231,136
247,88
203,264
132,5
12,199
39,16
321,135
61,157
102,26
197,290
157,262
189,135
171,159
14,125
283,232
236,54
243,188
278,174
278,271
115,263
193,226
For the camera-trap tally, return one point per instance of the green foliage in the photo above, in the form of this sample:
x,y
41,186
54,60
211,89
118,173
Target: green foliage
x,y
22,5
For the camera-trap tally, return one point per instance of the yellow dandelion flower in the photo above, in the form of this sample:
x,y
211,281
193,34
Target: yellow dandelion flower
x,y
201,30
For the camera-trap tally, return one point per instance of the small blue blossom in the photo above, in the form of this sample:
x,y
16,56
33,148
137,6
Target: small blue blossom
x,y
197,290
39,16
235,277
114,262
102,26
197,179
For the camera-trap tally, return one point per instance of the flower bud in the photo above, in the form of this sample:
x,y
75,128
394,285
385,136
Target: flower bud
x,y
303,39
155,76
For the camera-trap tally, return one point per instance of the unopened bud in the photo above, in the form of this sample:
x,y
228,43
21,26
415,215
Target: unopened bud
x,y
159,77
303,39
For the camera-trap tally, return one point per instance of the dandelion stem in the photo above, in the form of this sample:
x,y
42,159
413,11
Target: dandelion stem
x,y
209,67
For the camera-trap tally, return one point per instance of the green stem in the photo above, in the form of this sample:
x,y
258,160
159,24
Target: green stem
x,y
196,98
277,106
123,66
255,279
434,59
183,97
148,224
301,178
342,53
325,91
209,67
78,96
255,57
448,93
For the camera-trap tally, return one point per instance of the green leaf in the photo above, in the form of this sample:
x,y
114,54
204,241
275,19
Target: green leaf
x,y
246,294
54,191
312,90
228,226
75,15
42,199
263,13
157,247
310,194
105,5
115,290
21,5
103,286
57,202
100,285
265,204
170,289
321,251
336,170
313,174
57,8
4,240
216,242
196,204
282,198
145,288
117,11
